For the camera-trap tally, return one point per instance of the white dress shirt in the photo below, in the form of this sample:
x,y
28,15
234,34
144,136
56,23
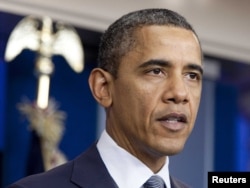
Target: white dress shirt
x,y
125,169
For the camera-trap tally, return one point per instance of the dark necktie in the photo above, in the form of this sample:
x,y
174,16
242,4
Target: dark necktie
x,y
154,182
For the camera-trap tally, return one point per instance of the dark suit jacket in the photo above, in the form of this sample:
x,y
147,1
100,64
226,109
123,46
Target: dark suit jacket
x,y
86,171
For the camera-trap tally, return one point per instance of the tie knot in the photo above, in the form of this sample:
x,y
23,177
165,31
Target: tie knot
x,y
154,182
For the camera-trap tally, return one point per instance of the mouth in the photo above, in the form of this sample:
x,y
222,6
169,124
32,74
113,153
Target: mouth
x,y
174,121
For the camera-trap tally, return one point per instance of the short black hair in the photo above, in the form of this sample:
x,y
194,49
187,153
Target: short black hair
x,y
119,38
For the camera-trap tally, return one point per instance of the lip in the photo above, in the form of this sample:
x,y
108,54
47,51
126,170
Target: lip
x,y
173,121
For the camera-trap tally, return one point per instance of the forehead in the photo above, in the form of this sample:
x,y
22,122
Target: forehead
x,y
163,33
166,42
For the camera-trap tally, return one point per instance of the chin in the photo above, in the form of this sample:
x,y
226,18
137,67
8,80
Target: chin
x,y
173,152
173,149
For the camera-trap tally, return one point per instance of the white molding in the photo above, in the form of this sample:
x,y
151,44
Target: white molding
x,y
223,26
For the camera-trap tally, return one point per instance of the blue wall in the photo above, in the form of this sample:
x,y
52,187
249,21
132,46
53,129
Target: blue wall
x,y
226,114
68,88
2,103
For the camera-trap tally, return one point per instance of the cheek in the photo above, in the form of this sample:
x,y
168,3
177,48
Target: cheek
x,y
139,105
194,106
146,98
137,97
197,99
195,95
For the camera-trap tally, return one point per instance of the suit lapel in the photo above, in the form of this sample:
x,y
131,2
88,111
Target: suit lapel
x,y
90,171
175,183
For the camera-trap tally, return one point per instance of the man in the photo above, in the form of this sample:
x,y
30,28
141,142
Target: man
x,y
149,81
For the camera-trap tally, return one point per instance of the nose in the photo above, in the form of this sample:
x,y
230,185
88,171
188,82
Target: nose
x,y
176,91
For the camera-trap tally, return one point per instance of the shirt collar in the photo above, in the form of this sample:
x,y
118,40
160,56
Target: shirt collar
x,y
126,170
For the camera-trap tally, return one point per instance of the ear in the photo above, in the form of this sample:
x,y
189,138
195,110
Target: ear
x,y
100,84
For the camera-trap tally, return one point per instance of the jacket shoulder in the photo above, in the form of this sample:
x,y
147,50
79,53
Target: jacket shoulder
x,y
56,177
176,183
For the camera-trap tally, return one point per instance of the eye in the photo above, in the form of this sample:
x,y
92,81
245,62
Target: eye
x,y
155,71
193,76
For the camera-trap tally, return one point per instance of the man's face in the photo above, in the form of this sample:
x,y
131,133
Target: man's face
x,y
156,96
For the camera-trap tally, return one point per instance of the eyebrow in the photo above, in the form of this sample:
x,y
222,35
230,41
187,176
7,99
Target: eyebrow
x,y
164,63
195,67
159,62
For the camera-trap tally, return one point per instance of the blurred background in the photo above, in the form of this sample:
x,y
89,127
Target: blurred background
x,y
221,137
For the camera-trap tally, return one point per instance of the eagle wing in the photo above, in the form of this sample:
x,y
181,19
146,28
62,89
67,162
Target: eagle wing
x,y
68,44
24,36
